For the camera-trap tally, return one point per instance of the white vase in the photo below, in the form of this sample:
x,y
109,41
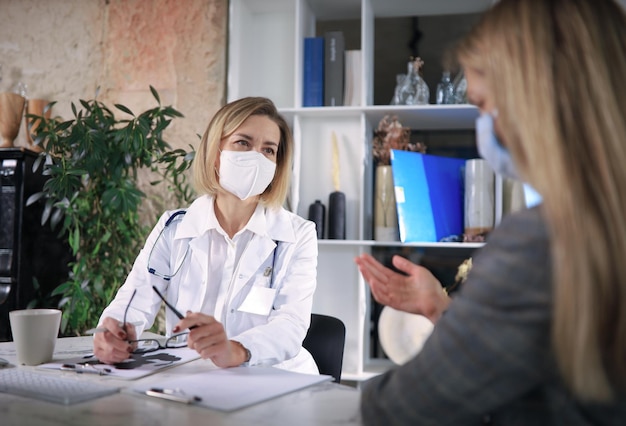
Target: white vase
x,y
385,214
479,197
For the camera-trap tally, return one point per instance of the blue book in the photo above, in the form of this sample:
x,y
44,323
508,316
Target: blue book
x,y
429,195
313,78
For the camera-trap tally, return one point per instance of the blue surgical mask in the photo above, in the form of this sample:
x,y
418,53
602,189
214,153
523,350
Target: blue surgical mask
x,y
498,157
490,148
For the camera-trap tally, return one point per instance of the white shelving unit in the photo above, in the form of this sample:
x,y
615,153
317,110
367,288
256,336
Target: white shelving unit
x,y
265,59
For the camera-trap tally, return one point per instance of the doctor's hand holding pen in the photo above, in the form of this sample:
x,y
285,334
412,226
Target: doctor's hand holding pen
x,y
208,337
111,343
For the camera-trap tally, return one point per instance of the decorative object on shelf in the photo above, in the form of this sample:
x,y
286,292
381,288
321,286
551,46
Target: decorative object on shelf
x,y
337,200
445,90
461,276
385,213
402,334
317,214
479,199
460,88
395,100
414,90
513,198
389,135
11,112
36,108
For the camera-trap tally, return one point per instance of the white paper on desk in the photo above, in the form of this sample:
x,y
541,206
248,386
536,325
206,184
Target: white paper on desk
x,y
230,389
139,365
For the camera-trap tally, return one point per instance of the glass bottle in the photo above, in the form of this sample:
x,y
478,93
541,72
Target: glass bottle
x,y
460,88
445,90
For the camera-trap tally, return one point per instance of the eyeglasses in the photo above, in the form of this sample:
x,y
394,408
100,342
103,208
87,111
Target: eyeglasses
x,y
151,345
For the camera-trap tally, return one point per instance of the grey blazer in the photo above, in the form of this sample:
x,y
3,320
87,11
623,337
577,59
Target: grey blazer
x,y
489,359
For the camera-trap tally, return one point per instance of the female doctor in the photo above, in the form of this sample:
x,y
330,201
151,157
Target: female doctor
x,y
240,266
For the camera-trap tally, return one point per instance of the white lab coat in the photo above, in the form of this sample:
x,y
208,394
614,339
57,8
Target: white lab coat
x,y
274,338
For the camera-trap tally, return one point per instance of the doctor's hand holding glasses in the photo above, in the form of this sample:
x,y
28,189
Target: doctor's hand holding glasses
x,y
120,339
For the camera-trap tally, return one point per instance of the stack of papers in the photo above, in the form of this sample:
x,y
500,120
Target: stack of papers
x,y
234,388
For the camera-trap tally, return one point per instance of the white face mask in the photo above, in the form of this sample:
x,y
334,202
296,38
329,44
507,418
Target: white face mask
x,y
245,174
498,157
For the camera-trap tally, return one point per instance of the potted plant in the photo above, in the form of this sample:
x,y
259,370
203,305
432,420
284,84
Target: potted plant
x,y
92,196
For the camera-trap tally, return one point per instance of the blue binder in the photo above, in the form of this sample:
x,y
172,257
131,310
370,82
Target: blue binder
x,y
429,195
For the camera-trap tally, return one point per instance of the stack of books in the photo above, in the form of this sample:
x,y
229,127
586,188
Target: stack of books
x,y
332,74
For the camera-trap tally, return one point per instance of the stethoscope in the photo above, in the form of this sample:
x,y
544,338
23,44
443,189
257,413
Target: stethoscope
x,y
269,271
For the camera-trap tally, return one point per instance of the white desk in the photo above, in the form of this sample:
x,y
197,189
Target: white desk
x,y
323,404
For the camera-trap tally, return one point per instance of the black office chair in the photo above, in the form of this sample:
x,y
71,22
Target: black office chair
x,y
325,341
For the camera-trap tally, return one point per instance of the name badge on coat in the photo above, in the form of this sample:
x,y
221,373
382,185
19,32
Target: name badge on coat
x,y
258,301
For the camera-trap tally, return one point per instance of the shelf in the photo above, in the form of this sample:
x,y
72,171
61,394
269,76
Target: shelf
x,y
395,8
417,117
329,10
426,117
266,59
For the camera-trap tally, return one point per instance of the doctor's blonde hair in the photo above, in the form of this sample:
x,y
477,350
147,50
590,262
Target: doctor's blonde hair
x,y
223,124
557,71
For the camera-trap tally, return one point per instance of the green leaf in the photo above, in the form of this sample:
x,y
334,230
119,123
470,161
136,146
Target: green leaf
x,y
34,198
124,109
155,94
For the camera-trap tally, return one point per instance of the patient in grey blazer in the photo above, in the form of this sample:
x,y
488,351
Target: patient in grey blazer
x,y
537,333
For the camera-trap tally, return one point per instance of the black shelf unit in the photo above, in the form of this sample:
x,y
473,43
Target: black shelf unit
x,y
29,251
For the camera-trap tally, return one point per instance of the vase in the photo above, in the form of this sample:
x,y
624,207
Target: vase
x,y
414,90
11,112
35,107
479,198
385,214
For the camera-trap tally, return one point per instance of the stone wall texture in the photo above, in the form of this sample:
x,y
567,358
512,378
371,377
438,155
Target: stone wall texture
x,y
65,50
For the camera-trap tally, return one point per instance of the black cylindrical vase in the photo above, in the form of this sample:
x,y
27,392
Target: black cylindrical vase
x,y
317,214
337,216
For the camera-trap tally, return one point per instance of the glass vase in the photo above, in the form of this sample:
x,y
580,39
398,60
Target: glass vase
x,y
414,90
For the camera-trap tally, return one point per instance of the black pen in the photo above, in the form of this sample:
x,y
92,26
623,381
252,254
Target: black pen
x,y
176,312
84,369
172,395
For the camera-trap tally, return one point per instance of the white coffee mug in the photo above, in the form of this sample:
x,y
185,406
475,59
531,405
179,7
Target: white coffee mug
x,y
35,333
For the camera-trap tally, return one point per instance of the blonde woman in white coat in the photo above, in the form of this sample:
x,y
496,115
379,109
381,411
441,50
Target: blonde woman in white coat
x,y
239,267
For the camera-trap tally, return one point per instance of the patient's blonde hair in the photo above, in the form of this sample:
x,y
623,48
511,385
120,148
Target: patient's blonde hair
x,y
557,69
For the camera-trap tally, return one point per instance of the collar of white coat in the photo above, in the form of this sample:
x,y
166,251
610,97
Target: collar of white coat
x,y
200,217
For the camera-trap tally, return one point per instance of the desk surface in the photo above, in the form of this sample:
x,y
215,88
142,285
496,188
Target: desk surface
x,y
323,404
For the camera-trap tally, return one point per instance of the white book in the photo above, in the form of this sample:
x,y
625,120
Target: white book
x,y
352,80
